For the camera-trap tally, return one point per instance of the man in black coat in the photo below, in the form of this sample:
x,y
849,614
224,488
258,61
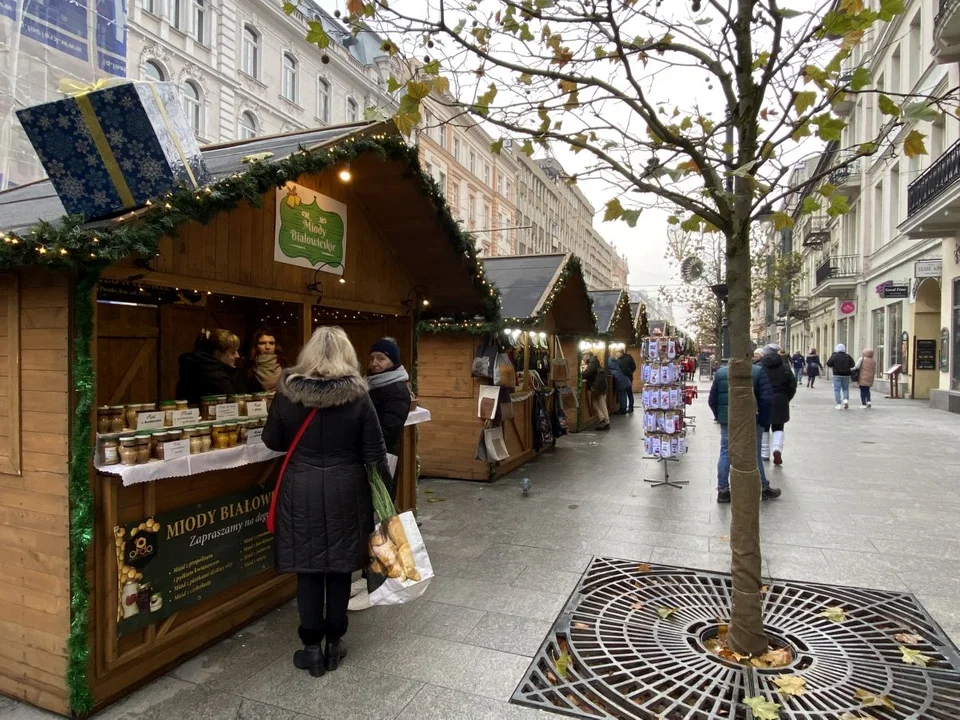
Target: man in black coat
x,y
628,366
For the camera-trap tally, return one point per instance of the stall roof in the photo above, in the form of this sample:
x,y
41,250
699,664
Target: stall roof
x,y
612,308
442,259
531,285
23,206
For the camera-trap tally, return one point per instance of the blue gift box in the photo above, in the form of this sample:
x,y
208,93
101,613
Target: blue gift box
x,y
110,150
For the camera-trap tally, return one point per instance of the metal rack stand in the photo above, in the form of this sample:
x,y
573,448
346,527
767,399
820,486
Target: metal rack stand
x,y
666,474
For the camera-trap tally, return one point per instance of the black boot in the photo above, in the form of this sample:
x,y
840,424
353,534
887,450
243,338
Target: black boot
x,y
310,658
335,652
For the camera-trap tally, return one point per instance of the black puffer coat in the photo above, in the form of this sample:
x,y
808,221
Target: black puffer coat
x,y
202,374
784,385
392,403
324,511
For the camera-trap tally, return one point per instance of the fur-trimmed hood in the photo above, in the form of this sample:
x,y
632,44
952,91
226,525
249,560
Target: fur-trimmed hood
x,y
321,392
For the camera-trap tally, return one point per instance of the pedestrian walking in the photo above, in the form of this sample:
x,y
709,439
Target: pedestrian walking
x,y
783,384
620,384
866,372
814,367
842,365
719,402
798,362
595,379
324,511
628,366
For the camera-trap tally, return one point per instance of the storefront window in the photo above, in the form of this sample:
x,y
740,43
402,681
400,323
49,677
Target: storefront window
x,y
895,322
878,336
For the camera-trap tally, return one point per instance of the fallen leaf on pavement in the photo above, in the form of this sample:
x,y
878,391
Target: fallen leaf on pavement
x,y
915,657
762,708
643,567
637,606
554,680
777,657
666,613
868,699
834,614
852,716
581,626
563,665
790,684
908,638
725,538
764,589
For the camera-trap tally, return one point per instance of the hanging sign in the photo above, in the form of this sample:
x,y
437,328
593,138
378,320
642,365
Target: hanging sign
x,y
848,307
928,268
311,229
895,291
170,562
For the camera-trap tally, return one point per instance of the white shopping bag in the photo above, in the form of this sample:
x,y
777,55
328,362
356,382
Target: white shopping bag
x,y
392,464
400,569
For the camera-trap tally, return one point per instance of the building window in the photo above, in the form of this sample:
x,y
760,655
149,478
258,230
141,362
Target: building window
x,y
500,183
248,126
153,71
290,77
486,174
199,17
176,14
442,181
454,197
251,51
193,106
442,136
456,149
473,163
353,111
896,328
149,5
323,100
878,336
472,211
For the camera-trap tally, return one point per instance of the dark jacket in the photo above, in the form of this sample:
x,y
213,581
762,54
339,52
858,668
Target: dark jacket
x,y
324,509
595,377
719,399
814,366
203,374
841,363
628,366
392,403
783,383
620,381
797,361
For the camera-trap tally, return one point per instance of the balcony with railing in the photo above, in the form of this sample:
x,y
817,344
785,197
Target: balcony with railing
x,y
946,31
815,230
847,179
934,181
837,276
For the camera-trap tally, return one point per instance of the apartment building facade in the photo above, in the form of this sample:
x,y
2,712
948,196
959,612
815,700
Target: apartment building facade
x,y
244,68
873,277
480,185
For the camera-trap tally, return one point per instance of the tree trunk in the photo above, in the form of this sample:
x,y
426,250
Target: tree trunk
x,y
745,634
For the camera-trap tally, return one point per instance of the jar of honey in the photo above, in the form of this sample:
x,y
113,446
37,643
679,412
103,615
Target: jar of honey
x,y
221,436
233,429
168,407
157,439
103,419
208,407
143,448
128,450
205,438
117,418
110,451
196,442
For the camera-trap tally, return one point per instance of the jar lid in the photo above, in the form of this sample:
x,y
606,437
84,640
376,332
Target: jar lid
x,y
158,433
208,398
103,407
128,438
167,403
219,425
116,407
142,433
181,402
220,397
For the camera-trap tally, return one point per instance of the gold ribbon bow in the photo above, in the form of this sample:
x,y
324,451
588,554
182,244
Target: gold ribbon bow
x,y
73,88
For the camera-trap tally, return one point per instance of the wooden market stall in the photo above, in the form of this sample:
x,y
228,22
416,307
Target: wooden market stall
x,y
639,314
544,302
614,329
113,573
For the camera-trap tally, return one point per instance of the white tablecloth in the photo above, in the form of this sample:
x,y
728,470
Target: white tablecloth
x,y
192,464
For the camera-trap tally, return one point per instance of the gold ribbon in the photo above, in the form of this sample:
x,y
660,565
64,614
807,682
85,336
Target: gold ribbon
x,y
106,152
73,88
173,134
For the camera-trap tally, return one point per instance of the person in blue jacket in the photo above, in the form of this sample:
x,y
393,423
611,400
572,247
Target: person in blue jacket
x,y
719,402
620,384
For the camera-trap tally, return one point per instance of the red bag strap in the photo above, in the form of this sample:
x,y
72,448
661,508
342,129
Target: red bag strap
x,y
272,514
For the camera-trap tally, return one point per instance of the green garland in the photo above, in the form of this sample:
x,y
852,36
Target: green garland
x,y
472,327
81,496
70,243
571,268
622,302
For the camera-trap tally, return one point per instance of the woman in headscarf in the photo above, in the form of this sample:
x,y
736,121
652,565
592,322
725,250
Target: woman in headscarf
x,y
266,362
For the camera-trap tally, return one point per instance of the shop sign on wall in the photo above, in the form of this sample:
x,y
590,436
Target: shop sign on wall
x,y
311,229
926,354
895,290
928,268
171,562
848,307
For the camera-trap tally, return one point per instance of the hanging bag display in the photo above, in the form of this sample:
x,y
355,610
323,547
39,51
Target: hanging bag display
x,y
504,373
568,399
496,445
558,368
505,405
484,362
272,513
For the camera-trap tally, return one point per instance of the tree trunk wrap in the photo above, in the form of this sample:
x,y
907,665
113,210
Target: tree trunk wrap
x,y
745,634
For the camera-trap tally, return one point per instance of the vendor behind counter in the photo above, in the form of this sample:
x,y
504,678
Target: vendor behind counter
x,y
211,368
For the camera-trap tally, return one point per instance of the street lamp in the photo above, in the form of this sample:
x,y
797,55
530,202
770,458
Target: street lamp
x,y
720,291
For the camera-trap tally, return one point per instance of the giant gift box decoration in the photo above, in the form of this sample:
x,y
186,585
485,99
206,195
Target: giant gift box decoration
x,y
111,149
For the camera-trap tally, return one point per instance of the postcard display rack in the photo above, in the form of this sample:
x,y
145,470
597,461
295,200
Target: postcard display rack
x,y
664,402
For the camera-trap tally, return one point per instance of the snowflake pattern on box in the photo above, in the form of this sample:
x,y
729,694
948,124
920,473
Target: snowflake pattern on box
x,y
139,136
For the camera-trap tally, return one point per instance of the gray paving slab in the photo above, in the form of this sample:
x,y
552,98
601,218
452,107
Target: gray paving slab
x,y
869,499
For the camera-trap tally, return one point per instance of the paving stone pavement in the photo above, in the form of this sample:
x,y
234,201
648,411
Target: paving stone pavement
x,y
870,498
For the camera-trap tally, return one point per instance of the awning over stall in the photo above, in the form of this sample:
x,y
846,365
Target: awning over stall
x,y
612,308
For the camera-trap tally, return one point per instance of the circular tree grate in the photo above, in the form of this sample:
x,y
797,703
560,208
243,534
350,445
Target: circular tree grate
x,y
613,654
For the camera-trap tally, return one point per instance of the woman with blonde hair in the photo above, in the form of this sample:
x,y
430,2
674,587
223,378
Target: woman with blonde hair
x,y
324,512
211,368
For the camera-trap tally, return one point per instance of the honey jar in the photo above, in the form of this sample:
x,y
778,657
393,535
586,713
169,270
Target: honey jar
x,y
205,438
168,407
233,431
128,450
103,419
143,448
110,451
117,418
220,436
208,407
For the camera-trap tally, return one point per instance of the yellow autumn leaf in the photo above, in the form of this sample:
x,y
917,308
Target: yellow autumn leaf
x,y
834,614
666,613
790,684
913,144
908,638
762,708
915,657
869,699
563,665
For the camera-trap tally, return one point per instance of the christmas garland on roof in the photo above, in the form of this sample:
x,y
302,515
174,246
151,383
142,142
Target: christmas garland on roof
x,y
571,268
70,243
623,301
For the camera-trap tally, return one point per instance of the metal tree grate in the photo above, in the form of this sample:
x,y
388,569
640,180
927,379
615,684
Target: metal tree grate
x,y
628,663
